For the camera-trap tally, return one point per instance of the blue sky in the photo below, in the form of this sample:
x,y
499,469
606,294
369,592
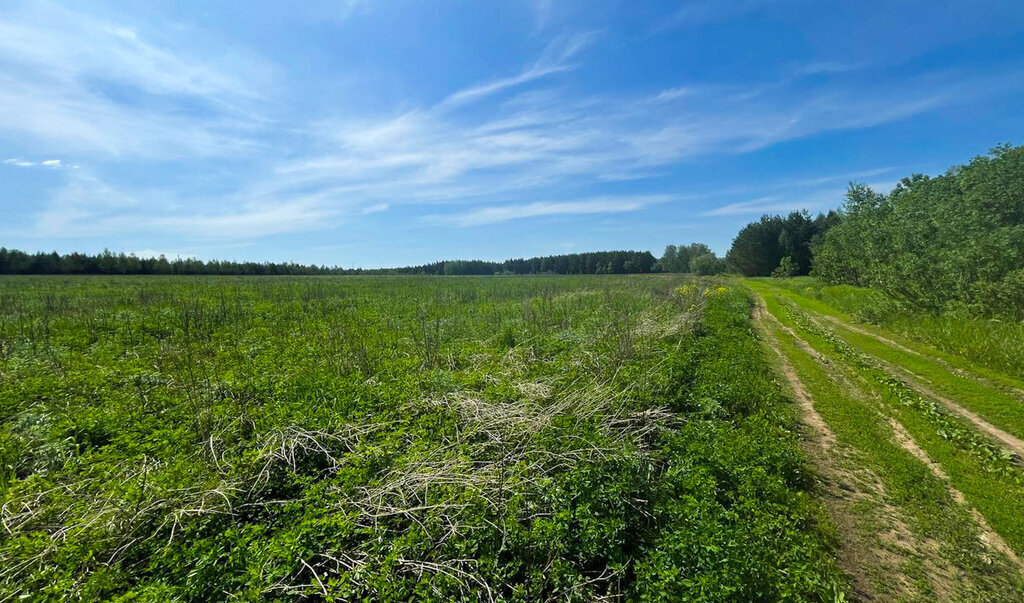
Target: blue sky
x,y
392,132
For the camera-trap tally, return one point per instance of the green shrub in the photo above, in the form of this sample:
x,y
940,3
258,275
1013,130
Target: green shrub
x,y
954,242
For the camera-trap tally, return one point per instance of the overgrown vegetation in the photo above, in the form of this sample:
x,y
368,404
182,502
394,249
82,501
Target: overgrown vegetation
x,y
925,544
967,342
950,243
578,438
396,438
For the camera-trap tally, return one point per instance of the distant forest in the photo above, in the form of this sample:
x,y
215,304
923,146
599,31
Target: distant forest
x,y
13,261
599,262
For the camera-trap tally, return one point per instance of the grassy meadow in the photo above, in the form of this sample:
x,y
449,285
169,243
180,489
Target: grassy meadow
x,y
397,438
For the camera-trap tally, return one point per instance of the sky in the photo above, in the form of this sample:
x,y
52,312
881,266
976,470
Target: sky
x,y
370,133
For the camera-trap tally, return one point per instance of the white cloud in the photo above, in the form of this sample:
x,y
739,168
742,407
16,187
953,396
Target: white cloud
x,y
83,122
347,8
89,207
672,94
760,205
600,205
554,59
483,147
847,177
65,74
824,68
791,194
534,143
64,45
247,223
153,253
482,90
883,186
548,140
50,163
779,203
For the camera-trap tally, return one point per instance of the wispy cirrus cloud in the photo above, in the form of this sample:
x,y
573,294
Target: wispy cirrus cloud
x,y
92,84
536,142
48,163
554,59
543,140
793,194
88,206
600,205
104,88
823,68
762,205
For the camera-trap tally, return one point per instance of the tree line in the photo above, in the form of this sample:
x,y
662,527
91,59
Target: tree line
x,y
598,262
779,246
13,261
954,242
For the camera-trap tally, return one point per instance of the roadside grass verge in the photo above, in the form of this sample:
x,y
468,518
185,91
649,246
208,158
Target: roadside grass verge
x,y
993,403
998,407
850,402
976,467
988,347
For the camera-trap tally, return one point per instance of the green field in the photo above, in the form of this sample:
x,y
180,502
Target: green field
x,y
396,438
525,301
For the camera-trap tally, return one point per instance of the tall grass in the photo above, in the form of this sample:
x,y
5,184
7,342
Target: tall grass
x,y
991,343
196,439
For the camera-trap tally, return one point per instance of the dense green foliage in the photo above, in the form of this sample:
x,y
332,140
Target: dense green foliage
x,y
397,438
779,246
696,258
13,261
954,242
677,258
707,264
